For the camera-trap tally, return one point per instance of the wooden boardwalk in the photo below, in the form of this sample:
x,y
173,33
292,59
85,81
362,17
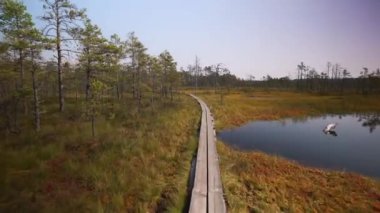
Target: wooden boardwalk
x,y
207,193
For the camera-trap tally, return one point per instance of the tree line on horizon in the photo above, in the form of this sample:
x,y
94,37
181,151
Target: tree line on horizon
x,y
335,80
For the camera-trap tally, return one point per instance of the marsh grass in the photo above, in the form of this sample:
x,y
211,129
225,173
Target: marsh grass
x,y
254,181
258,182
137,162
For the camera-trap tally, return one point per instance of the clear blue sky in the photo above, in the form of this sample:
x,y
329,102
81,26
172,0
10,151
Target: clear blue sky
x,y
251,37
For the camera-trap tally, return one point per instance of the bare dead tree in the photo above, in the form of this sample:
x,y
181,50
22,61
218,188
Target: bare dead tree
x,y
197,71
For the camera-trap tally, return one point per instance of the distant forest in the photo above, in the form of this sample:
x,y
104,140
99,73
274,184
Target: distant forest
x,y
335,80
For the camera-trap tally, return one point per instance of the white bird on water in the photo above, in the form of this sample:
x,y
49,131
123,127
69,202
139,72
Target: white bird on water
x,y
330,127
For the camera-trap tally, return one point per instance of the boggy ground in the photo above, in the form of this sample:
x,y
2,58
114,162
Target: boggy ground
x,y
137,162
255,181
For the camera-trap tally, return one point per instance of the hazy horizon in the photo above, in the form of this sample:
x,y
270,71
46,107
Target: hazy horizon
x,y
250,37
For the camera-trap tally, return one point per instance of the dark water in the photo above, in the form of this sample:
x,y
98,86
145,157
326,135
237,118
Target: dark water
x,y
356,146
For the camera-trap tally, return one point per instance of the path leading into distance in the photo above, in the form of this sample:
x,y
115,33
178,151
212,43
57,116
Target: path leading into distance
x,y
207,193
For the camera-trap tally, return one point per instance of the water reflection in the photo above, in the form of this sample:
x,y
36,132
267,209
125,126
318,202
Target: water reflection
x,y
333,133
352,146
370,121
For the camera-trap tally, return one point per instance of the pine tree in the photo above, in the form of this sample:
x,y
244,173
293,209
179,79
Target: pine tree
x,y
16,25
90,52
139,60
61,16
